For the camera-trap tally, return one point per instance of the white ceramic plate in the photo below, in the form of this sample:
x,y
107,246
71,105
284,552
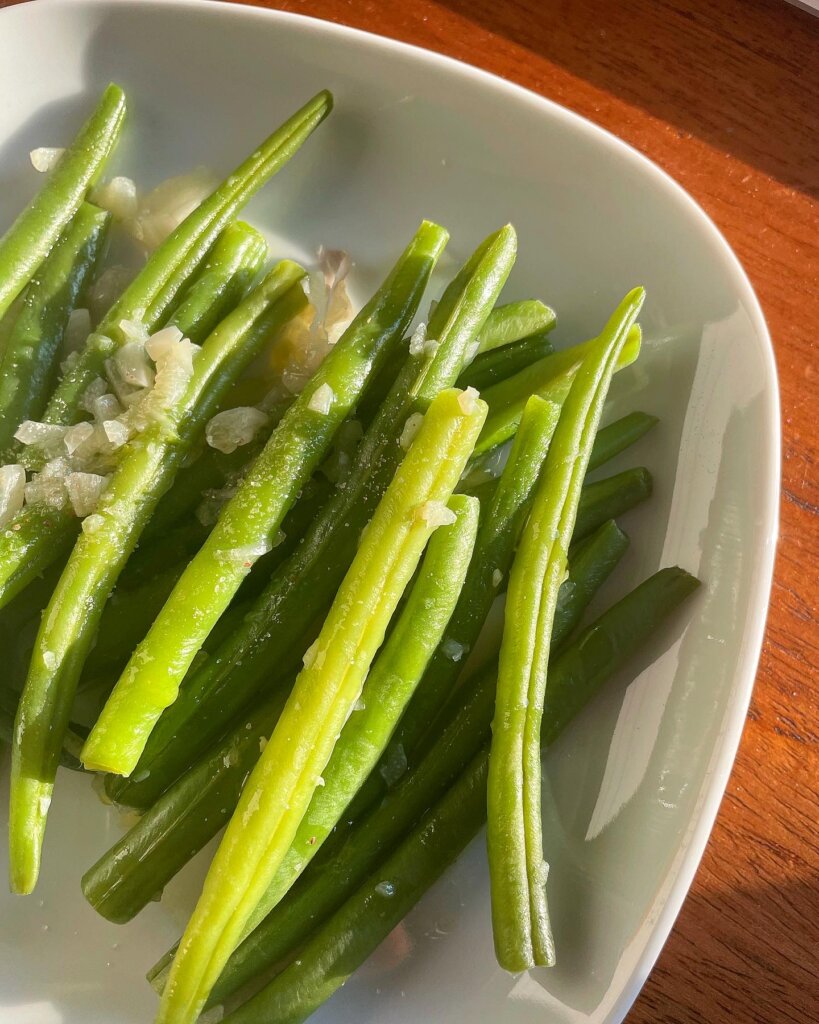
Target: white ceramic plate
x,y
633,787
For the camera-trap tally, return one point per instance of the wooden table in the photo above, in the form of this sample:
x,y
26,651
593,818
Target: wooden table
x,y
721,94
725,97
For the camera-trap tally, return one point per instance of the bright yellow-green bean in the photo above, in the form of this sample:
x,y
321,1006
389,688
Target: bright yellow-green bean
x,y
281,786
390,685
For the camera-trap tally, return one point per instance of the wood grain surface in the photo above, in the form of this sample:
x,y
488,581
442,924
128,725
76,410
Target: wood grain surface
x,y
724,95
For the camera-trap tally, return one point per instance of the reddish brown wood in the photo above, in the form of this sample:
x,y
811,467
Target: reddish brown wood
x,y
725,97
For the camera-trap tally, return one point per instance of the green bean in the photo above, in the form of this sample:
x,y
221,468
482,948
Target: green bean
x,y
281,785
140,864
301,590
250,521
590,563
29,364
125,619
610,497
73,613
32,236
514,321
619,435
517,869
491,367
363,918
388,688
550,378
149,297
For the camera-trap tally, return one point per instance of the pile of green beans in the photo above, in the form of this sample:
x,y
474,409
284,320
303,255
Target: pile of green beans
x,y
300,591
74,611
250,521
295,642
348,902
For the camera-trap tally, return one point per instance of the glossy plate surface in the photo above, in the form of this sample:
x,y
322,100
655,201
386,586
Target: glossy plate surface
x,y
633,787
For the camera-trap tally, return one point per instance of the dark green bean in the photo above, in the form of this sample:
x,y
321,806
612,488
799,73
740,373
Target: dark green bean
x,y
609,498
619,435
498,364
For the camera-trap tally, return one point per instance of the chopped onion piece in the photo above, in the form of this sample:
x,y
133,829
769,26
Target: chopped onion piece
x,y
92,523
411,428
163,343
41,435
467,400
309,656
119,197
308,337
45,158
452,649
244,557
105,408
132,363
322,399
12,492
418,339
233,428
96,389
162,210
48,486
134,331
116,431
84,490
173,355
497,578
77,435
435,514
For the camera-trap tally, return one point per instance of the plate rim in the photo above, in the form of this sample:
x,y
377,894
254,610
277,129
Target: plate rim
x,y
690,853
